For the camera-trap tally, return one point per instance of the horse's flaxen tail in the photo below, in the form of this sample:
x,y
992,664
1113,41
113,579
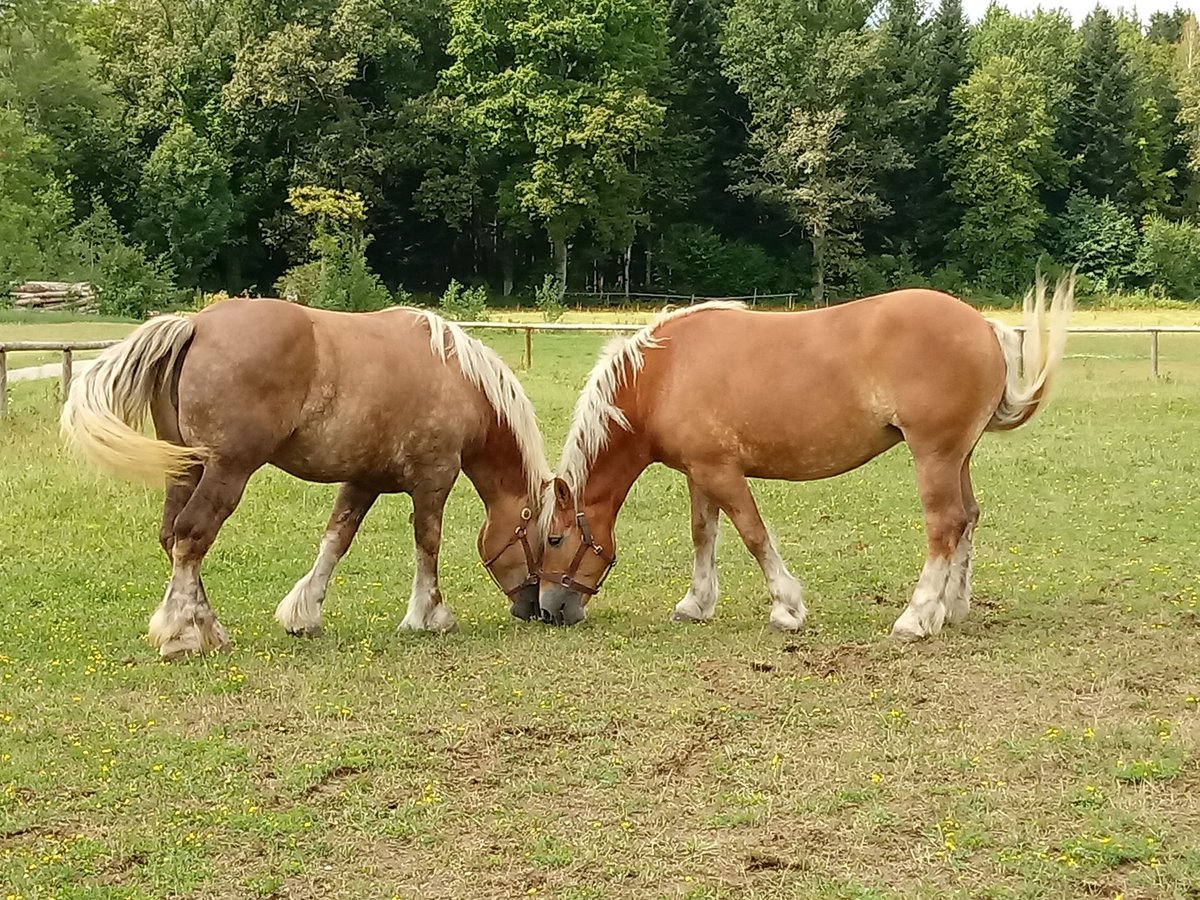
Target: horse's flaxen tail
x,y
103,416
1040,353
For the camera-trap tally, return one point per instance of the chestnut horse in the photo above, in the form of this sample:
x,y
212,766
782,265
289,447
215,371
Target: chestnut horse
x,y
723,394
386,402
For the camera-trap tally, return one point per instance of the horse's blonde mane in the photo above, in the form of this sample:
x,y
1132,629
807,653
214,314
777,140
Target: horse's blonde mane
x,y
596,411
487,371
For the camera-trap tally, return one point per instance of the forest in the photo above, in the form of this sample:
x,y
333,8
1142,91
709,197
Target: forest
x,y
344,152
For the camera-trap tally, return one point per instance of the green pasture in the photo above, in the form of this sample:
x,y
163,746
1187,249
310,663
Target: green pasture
x,y
1046,749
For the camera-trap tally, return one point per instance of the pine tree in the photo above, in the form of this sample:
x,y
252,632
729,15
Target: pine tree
x,y
948,66
1099,136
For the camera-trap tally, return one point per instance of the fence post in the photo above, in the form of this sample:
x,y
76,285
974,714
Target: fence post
x,y
1021,353
68,360
3,383
528,348
1154,353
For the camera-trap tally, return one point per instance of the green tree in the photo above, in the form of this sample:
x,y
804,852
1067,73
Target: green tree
x,y
1003,141
822,120
948,66
186,203
1099,128
1101,239
35,211
554,95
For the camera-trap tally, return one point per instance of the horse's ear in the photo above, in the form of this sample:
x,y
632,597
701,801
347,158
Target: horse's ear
x,y
562,495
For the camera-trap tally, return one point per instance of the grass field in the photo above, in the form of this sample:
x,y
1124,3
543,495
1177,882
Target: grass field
x,y
1047,749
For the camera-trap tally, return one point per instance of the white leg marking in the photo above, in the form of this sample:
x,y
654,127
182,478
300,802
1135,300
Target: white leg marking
x,y
184,623
787,593
700,602
958,590
926,611
426,611
300,611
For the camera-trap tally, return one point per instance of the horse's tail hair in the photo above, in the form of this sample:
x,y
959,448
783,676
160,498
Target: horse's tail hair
x,y
103,416
1039,354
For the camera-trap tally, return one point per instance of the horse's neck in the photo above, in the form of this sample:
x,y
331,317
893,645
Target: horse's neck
x,y
496,468
618,465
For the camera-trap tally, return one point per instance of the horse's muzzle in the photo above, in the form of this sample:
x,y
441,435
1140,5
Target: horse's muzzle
x,y
525,603
561,605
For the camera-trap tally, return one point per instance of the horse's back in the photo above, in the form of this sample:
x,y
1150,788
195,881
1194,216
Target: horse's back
x,y
324,395
815,393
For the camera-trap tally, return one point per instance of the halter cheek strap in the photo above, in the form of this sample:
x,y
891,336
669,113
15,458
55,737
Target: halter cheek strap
x,y
521,536
567,578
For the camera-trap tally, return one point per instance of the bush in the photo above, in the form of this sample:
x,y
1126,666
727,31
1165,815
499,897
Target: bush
x,y
339,278
699,261
548,297
1171,256
1101,240
464,304
127,280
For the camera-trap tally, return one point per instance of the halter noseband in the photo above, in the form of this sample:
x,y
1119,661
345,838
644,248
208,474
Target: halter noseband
x,y
520,536
567,578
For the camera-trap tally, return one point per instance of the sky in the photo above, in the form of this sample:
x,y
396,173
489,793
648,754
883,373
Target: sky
x,y
1079,8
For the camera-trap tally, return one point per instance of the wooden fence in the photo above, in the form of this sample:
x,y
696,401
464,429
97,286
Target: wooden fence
x,y
69,348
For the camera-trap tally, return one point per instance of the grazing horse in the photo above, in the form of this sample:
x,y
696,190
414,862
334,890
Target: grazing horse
x,y
723,394
397,401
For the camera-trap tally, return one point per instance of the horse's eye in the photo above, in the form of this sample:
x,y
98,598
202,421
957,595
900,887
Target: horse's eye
x,y
554,540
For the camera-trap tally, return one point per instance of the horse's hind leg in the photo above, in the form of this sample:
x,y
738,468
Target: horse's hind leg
x,y
300,611
700,601
939,480
426,611
179,492
729,489
958,591
184,623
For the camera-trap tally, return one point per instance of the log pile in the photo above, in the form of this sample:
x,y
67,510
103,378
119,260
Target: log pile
x,y
54,295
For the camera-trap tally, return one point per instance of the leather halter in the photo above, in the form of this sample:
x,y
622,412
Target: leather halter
x,y
567,578
520,536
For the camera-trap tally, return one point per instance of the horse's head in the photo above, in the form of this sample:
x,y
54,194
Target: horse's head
x,y
579,554
510,548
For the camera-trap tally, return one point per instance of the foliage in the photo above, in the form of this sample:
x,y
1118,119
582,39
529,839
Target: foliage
x,y
1171,256
1099,135
822,117
498,140
697,260
548,297
186,202
1101,239
1003,144
34,209
464,304
128,281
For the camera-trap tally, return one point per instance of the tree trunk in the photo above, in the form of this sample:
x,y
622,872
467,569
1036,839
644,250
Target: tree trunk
x,y
560,263
628,260
507,263
818,245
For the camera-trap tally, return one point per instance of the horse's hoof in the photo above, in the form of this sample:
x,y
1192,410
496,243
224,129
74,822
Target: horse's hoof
x,y
677,616
308,631
905,636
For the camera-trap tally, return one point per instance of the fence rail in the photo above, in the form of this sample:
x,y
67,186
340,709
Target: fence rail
x,y
68,349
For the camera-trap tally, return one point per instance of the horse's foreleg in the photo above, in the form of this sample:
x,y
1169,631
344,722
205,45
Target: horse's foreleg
x,y
300,611
700,601
939,480
184,623
426,611
729,489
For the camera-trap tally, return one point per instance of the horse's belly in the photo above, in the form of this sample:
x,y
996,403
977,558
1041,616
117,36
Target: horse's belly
x,y
812,460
